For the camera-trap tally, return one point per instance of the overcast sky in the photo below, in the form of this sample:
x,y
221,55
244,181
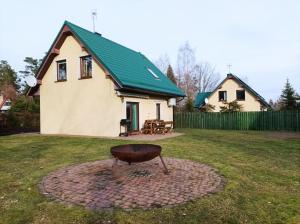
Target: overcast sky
x,y
260,38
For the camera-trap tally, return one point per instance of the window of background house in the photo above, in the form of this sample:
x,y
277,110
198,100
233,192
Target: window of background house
x,y
158,111
86,67
61,70
240,94
222,95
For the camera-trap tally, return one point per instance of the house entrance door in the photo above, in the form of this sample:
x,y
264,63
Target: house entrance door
x,y
132,113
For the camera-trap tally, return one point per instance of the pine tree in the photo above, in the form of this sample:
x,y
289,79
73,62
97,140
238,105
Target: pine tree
x,y
31,68
8,76
8,81
288,97
171,75
189,105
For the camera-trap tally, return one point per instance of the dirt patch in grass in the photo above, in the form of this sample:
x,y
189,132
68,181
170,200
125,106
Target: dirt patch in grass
x,y
283,135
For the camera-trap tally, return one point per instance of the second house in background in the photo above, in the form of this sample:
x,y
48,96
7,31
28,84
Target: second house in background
x,y
232,89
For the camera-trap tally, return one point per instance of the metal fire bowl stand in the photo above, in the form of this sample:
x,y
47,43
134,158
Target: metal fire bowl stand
x,y
136,153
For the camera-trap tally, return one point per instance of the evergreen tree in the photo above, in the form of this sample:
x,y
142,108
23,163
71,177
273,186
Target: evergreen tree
x,y
8,76
8,81
189,105
171,75
31,68
24,104
288,97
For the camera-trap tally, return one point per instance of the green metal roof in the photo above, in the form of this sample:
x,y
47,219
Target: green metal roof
x,y
129,68
200,98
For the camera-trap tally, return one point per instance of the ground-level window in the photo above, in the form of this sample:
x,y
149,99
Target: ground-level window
x,y
86,67
158,111
240,94
222,95
61,70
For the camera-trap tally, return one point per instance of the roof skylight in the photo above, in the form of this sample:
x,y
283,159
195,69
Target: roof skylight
x,y
153,73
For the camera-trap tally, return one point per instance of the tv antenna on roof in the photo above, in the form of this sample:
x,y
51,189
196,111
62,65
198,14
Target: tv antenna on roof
x,y
94,17
229,67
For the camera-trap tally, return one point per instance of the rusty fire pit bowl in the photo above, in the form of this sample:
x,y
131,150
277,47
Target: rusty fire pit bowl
x,y
136,153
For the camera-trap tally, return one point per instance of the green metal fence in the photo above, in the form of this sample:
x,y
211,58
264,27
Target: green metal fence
x,y
268,120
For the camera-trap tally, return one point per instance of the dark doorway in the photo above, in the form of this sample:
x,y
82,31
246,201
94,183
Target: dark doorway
x,y
158,111
132,113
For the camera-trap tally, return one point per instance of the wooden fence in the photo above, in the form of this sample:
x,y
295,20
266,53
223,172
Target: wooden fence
x,y
19,122
269,120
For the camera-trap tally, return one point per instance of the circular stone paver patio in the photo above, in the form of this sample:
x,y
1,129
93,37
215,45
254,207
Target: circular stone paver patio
x,y
96,185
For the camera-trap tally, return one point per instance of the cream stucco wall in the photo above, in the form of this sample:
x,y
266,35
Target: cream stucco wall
x,y
147,109
88,106
249,104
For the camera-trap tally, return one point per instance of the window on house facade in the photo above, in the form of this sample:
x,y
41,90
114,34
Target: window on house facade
x,y
86,67
7,103
61,70
240,94
222,95
158,111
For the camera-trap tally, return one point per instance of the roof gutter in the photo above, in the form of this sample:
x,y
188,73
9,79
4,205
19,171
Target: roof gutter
x,y
125,94
135,89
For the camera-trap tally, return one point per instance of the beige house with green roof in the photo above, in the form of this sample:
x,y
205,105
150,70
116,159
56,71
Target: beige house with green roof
x,y
232,89
88,83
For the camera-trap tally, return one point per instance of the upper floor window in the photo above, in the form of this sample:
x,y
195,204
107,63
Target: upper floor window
x,y
86,67
61,70
222,95
240,94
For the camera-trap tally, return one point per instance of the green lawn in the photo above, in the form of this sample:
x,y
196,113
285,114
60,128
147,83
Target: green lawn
x,y
262,169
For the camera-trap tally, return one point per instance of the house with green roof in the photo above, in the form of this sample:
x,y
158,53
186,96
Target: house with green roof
x,y
232,88
87,84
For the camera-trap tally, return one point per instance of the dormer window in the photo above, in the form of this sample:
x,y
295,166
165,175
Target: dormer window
x,y
86,67
153,73
61,70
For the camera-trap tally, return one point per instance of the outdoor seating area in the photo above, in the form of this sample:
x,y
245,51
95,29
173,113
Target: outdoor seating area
x,y
155,126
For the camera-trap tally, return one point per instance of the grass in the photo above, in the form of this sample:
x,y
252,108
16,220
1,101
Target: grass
x,y
263,176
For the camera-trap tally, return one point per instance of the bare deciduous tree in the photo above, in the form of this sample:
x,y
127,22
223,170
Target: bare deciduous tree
x,y
206,76
185,69
162,63
194,77
191,77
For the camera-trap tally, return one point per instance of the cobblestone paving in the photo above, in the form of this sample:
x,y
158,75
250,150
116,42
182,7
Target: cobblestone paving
x,y
96,185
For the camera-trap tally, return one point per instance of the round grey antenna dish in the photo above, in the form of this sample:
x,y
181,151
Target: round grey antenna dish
x,y
31,80
206,100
